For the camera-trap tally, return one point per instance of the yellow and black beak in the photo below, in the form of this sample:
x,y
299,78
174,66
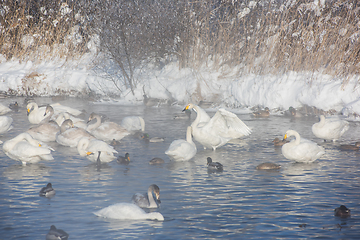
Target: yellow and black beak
x,y
186,108
285,137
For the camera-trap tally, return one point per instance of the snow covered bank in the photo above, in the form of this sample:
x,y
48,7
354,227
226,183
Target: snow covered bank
x,y
186,85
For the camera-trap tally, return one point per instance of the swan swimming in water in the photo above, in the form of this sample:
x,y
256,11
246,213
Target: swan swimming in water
x,y
5,124
127,211
70,135
26,149
182,150
330,128
106,131
147,200
36,114
47,129
133,123
216,131
94,148
300,149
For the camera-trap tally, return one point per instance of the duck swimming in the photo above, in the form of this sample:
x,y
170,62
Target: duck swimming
x,y
156,160
47,191
147,200
348,147
342,211
216,131
124,160
262,113
56,234
214,166
267,166
278,143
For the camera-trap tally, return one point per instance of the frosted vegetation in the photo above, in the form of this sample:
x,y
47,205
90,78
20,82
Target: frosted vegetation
x,y
129,49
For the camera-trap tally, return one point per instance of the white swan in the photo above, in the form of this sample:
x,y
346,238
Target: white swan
x,y
70,135
4,109
91,148
36,113
5,124
216,131
181,150
47,130
330,128
300,149
26,149
106,131
133,123
127,211
78,122
147,200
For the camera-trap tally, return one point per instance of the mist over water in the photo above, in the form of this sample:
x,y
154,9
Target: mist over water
x,y
296,201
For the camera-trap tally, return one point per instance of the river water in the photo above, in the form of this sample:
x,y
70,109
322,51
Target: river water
x,y
294,202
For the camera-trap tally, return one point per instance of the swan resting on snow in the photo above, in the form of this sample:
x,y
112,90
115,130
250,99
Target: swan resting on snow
x,y
300,149
147,200
330,128
26,149
182,150
127,211
216,131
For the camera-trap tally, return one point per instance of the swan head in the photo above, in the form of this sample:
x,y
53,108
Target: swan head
x,y
188,107
30,107
48,109
342,211
93,116
156,190
67,124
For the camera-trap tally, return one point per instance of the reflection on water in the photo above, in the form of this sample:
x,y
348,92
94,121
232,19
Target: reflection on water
x,y
296,201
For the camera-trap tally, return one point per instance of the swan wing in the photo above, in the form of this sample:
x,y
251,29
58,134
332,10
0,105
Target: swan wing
x,y
227,125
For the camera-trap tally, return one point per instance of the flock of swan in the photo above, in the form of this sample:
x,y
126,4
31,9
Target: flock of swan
x,y
61,124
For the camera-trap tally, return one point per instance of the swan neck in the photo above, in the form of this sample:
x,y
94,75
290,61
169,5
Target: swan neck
x,y
188,134
152,202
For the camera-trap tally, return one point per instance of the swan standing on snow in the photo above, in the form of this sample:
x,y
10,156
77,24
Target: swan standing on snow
x,y
47,129
26,149
300,149
70,135
5,124
127,211
330,128
181,150
216,131
106,131
147,200
93,148
133,124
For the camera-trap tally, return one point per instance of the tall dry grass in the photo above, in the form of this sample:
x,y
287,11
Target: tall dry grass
x,y
37,30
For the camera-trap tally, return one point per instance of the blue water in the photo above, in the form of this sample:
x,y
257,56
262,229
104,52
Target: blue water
x,y
294,202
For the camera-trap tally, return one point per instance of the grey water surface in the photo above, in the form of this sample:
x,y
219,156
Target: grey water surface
x,y
296,201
